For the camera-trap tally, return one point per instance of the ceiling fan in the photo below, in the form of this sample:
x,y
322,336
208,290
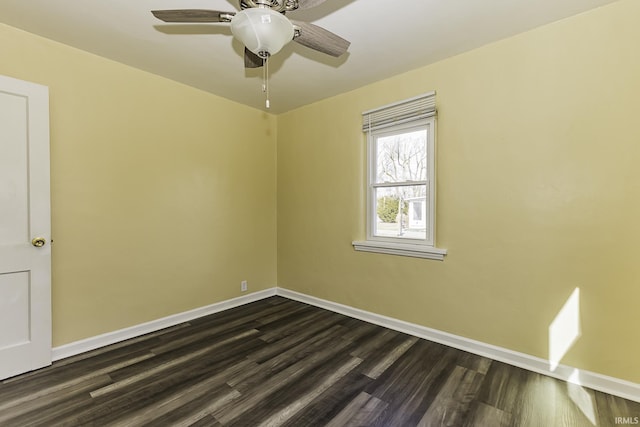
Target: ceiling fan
x,y
263,28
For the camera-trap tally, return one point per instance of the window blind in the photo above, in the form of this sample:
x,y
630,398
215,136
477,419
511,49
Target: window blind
x,y
416,108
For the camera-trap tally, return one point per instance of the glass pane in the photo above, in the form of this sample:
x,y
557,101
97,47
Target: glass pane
x,y
402,157
401,212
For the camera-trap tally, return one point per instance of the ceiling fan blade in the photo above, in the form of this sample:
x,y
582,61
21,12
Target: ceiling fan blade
x,y
192,15
319,39
251,60
308,4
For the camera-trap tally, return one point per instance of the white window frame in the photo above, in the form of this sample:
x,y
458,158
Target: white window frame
x,y
372,149
420,248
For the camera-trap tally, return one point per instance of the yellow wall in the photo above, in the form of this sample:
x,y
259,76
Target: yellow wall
x,y
538,193
163,198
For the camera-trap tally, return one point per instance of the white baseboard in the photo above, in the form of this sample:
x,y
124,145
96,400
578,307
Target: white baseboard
x,y
606,384
109,338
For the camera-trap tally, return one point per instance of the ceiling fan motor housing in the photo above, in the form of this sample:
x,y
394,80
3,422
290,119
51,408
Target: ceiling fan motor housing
x,y
263,31
277,5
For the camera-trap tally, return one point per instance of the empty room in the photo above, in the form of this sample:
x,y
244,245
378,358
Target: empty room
x,y
319,213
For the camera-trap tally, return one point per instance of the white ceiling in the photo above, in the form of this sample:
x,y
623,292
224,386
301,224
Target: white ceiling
x,y
387,38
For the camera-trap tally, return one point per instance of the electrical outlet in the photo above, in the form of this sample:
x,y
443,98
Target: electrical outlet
x,y
243,286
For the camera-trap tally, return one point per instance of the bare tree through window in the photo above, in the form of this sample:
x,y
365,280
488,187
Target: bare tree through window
x,y
401,158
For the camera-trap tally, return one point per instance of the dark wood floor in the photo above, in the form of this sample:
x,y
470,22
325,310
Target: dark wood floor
x,y
278,362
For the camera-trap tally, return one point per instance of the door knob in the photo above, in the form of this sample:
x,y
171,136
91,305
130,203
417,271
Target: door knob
x,y
38,242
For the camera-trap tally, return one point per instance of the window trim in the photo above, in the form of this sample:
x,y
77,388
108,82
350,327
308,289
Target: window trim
x,y
393,245
390,248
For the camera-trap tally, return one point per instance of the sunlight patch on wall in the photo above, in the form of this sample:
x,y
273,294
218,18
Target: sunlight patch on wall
x,y
565,330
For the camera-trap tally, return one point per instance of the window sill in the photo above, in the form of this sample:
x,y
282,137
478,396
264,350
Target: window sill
x,y
402,249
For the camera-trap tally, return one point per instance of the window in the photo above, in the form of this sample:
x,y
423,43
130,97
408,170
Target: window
x,y
401,179
399,182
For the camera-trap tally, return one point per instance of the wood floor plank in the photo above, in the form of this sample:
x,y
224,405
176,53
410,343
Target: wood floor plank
x,y
197,337
355,329
131,402
253,376
177,361
210,372
309,334
290,325
611,408
250,311
361,411
199,399
195,417
286,413
474,362
354,407
179,381
219,324
574,405
57,374
330,403
42,409
451,405
285,405
483,415
502,386
536,401
61,386
421,374
144,341
252,396
390,358
380,338
579,400
412,366
285,310
278,362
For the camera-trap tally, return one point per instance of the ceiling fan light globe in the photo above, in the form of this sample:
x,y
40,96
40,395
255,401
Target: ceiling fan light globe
x,y
262,30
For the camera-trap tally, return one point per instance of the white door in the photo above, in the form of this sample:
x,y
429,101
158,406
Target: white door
x,y
25,261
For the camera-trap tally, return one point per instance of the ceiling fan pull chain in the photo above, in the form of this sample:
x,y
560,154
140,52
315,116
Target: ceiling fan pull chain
x,y
265,79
